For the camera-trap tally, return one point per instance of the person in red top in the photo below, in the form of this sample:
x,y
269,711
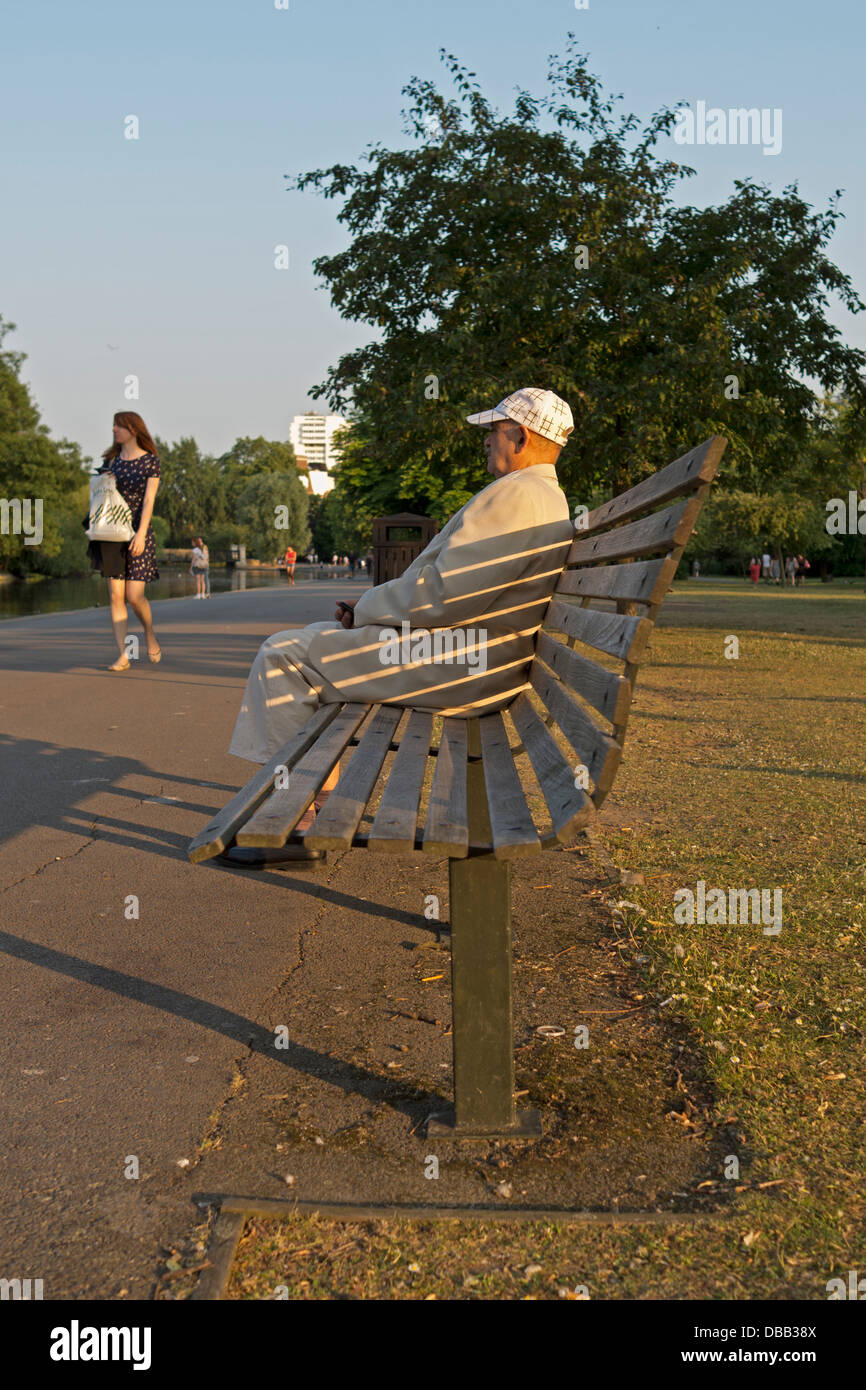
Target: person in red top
x,y
291,557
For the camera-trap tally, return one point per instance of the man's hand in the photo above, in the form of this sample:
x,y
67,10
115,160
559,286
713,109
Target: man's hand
x,y
345,612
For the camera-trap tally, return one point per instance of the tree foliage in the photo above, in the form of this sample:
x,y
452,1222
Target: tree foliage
x,y
273,510
545,247
191,494
246,459
35,467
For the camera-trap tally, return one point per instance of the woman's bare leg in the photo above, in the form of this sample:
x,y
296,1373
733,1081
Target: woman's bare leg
x,y
141,608
117,600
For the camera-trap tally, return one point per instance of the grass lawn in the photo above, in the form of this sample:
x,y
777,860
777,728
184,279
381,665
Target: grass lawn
x,y
745,772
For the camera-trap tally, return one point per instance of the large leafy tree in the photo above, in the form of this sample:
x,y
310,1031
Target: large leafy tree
x,y
273,510
545,247
191,493
35,467
793,518
249,457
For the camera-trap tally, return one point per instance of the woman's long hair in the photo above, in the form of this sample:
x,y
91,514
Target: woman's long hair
x,y
129,420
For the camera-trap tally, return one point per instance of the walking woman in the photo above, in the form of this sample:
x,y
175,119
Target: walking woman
x,y
200,567
128,565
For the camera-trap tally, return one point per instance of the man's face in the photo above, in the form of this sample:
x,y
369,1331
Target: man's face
x,y
501,445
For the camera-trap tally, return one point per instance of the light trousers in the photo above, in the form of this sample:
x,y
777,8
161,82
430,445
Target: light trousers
x,y
280,696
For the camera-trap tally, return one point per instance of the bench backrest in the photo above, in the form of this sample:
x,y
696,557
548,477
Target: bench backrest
x,y
607,599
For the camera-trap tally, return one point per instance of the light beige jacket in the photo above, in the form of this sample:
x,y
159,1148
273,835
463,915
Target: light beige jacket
x,y
490,571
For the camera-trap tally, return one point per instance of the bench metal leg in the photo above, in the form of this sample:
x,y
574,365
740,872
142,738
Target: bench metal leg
x,y
482,1027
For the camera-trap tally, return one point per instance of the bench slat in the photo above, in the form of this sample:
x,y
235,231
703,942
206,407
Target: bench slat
x,y
607,692
661,531
221,830
336,823
685,474
569,806
644,581
613,633
393,830
447,829
599,753
511,823
276,818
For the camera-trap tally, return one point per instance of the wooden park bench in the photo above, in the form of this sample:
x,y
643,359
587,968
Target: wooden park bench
x,y
606,599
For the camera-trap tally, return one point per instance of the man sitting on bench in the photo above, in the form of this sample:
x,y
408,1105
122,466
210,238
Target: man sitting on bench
x,y
455,632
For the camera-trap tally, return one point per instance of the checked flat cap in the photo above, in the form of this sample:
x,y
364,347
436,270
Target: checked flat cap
x,y
540,411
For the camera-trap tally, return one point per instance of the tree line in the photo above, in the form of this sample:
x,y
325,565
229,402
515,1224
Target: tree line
x,y
551,245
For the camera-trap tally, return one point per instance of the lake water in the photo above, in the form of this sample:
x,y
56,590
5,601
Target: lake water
x,y
19,598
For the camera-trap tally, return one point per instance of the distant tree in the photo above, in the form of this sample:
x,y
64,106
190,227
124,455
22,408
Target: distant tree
x,y
35,468
72,556
322,525
273,510
246,459
545,248
161,532
191,494
338,526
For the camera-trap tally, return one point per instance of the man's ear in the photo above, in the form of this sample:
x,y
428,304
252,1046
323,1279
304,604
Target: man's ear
x,y
525,436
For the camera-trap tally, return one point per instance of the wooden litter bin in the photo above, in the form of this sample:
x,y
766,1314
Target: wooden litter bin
x,y
397,540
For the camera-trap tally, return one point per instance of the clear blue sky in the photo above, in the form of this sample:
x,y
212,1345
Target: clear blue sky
x,y
163,247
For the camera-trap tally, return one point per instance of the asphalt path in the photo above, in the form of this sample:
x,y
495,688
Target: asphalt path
x,y
130,980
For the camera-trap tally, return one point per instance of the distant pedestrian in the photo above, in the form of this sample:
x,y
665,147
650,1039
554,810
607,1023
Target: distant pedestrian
x,y
200,567
290,560
696,569
776,570
755,569
765,566
129,565
791,570
803,568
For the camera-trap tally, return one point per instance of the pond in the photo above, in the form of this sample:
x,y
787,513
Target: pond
x,y
20,598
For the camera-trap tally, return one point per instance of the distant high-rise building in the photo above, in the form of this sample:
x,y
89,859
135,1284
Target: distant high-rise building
x,y
312,435
319,481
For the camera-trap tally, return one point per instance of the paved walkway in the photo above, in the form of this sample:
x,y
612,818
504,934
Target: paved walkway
x,y
121,1032
140,994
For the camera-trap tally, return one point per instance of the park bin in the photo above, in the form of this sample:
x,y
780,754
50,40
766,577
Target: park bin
x,y
397,540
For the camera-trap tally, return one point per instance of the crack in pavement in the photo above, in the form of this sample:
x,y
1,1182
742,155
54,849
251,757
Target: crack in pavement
x,y
56,859
241,1063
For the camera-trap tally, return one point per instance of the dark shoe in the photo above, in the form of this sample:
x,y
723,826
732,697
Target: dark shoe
x,y
260,857
256,857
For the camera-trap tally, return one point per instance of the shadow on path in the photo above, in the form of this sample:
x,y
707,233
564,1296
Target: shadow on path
x,y
347,1077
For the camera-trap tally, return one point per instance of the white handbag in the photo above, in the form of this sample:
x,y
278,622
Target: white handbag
x,y
110,515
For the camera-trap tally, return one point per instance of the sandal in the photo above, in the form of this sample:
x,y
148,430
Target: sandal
x,y
117,667
155,659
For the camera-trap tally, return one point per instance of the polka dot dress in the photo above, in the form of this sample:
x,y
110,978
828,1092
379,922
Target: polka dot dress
x,y
132,476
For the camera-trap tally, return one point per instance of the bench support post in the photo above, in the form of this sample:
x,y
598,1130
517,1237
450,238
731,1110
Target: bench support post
x,y
482,1027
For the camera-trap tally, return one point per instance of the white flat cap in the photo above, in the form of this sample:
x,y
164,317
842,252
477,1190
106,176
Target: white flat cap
x,y
540,411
